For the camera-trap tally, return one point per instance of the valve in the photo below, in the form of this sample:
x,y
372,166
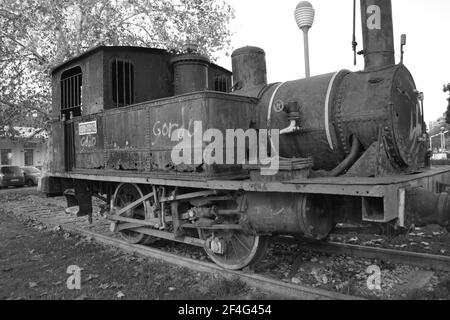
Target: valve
x,y
292,110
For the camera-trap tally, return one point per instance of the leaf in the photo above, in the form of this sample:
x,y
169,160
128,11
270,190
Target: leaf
x,y
91,277
34,38
104,286
120,295
32,284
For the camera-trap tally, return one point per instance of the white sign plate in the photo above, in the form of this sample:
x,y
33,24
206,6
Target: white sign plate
x,y
87,128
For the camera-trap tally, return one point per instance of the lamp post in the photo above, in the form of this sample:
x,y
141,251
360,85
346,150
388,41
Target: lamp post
x,y
304,16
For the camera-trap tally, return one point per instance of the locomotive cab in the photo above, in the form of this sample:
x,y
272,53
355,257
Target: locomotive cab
x,y
92,95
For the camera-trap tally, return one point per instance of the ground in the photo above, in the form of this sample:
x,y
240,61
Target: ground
x,y
34,262
34,259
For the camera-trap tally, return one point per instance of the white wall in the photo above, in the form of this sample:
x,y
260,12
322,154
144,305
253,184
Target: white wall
x,y
18,152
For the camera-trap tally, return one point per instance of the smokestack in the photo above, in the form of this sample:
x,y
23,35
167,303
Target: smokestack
x,y
378,33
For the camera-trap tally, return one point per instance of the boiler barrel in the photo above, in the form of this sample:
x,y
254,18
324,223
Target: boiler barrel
x,y
332,108
314,97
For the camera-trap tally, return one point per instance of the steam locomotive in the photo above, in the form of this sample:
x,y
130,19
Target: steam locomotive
x,y
352,146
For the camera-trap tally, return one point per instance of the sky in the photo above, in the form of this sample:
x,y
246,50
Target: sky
x,y
271,26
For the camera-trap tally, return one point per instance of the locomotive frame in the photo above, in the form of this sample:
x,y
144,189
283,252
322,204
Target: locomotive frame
x,y
353,147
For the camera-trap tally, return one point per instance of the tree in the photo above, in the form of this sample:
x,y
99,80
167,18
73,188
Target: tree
x,y
37,35
447,115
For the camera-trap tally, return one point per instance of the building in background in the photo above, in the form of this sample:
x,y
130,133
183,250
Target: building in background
x,y
435,129
27,148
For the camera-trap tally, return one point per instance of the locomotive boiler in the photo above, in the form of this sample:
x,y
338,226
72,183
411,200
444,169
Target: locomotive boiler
x,y
352,147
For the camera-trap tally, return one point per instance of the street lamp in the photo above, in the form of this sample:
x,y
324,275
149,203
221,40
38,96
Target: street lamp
x,y
304,16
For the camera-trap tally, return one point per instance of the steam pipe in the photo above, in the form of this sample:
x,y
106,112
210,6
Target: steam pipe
x,y
344,165
349,161
378,33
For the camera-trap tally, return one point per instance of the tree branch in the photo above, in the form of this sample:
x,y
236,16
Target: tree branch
x,y
34,52
13,105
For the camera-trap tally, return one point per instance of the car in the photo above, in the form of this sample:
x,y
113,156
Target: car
x,y
32,176
11,176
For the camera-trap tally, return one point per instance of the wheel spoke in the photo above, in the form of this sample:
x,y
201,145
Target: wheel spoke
x,y
124,196
234,249
241,242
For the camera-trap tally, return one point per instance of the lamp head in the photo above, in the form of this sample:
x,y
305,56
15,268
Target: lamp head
x,y
304,15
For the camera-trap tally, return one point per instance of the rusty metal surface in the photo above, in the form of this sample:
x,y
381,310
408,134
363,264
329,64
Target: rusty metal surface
x,y
249,69
378,34
89,148
190,73
290,214
371,187
427,208
126,142
216,73
214,110
363,104
311,141
93,83
383,102
57,161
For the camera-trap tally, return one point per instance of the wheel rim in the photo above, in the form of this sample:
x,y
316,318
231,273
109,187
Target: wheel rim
x,y
126,194
242,249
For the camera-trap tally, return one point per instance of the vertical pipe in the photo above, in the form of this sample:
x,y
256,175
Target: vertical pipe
x,y
130,91
66,102
77,90
117,83
80,89
306,46
72,92
62,95
124,79
378,33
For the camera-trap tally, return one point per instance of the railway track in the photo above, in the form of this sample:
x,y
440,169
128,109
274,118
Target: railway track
x,y
50,212
99,231
421,260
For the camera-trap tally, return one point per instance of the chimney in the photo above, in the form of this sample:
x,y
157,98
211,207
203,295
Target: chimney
x,y
378,33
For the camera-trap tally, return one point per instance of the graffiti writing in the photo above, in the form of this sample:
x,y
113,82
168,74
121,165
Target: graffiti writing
x,y
88,142
166,129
